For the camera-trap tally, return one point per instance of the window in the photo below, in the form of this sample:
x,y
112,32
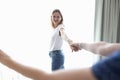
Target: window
x,y
25,32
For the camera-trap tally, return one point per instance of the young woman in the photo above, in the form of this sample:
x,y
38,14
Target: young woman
x,y
57,38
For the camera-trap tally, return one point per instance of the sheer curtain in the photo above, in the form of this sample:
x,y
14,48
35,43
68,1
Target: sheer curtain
x,y
25,30
107,19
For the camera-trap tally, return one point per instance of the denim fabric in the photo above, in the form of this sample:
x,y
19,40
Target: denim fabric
x,y
57,57
109,68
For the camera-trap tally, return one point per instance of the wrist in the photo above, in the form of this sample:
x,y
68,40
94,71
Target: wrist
x,y
69,41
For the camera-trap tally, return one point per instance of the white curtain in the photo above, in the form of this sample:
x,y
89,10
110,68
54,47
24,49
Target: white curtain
x,y
107,20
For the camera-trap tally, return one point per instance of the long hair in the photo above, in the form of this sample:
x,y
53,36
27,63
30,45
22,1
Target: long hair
x,y
57,10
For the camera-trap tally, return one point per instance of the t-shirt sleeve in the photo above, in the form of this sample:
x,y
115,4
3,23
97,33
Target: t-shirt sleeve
x,y
109,68
61,27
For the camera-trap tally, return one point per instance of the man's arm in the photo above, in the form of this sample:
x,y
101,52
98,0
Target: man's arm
x,y
75,74
24,70
102,48
35,74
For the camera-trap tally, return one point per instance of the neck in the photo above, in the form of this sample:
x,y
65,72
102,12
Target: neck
x,y
55,25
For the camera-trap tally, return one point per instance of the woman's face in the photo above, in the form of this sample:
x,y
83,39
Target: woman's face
x,y
56,18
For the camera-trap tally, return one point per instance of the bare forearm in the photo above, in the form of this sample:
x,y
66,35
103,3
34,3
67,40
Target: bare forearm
x,y
101,48
80,74
92,47
66,38
24,70
76,74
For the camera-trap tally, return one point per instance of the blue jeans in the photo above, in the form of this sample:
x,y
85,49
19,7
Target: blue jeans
x,y
57,59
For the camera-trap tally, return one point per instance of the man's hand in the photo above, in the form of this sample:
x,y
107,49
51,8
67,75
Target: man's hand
x,y
75,47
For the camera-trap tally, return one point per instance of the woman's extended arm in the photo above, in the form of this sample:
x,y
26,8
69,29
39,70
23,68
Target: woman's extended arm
x,y
65,37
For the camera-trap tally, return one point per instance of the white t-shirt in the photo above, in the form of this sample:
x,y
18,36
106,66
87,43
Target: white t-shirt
x,y
56,40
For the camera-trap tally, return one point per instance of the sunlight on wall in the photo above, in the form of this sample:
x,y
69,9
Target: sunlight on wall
x,y
25,32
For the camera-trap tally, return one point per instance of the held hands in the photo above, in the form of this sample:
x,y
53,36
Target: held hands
x,y
75,47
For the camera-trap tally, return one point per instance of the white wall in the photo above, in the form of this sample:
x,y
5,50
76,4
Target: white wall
x,y
25,32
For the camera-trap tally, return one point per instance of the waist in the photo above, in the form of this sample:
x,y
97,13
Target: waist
x,y
56,51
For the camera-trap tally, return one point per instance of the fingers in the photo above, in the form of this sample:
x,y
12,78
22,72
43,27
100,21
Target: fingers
x,y
72,50
74,47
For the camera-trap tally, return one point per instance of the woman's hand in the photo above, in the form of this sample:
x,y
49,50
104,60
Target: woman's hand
x,y
75,47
